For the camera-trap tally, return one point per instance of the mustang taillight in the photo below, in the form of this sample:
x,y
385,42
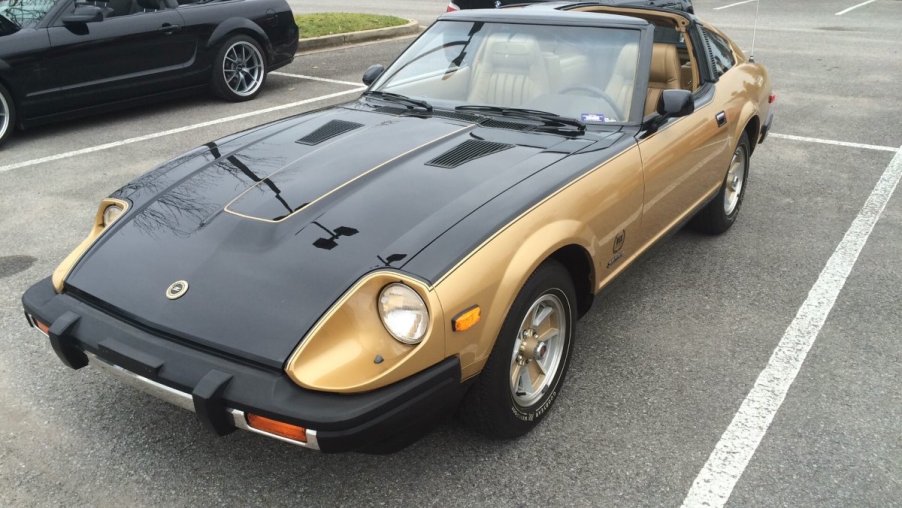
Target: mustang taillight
x,y
282,429
772,99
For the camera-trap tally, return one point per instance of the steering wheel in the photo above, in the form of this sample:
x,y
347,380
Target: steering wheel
x,y
594,91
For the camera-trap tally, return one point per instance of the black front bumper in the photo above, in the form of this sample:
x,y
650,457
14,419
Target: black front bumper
x,y
378,421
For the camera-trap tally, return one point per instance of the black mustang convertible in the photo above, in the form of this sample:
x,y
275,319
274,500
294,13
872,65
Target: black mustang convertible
x,y
66,58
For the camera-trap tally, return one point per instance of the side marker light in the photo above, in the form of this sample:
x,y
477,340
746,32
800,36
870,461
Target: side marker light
x,y
466,319
282,429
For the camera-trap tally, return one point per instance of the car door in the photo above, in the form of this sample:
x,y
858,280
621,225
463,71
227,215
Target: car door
x,y
139,48
685,160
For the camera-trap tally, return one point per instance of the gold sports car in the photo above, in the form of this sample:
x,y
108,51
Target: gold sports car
x,y
343,278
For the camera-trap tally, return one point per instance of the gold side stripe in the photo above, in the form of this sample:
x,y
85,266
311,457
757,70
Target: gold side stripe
x,y
528,211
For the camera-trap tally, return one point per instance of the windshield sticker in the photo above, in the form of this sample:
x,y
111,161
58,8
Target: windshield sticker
x,y
592,117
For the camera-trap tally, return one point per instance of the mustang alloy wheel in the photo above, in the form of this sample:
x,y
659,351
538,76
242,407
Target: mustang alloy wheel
x,y
526,368
7,114
718,215
240,69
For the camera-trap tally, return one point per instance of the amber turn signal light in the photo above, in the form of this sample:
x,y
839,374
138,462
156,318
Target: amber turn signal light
x,y
44,327
282,429
466,319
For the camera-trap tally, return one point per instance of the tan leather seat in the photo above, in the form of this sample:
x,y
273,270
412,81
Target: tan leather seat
x,y
621,85
511,74
665,74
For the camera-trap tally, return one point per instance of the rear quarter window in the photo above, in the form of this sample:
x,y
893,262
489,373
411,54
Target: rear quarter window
x,y
719,54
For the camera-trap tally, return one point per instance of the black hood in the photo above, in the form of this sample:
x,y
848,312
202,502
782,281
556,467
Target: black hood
x,y
271,227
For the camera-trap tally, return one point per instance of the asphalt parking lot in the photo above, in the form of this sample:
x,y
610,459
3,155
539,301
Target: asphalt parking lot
x,y
664,361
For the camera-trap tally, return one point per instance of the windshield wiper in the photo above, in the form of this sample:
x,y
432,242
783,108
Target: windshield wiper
x,y
403,99
547,118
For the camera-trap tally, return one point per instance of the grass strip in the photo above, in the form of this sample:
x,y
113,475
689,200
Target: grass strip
x,y
332,23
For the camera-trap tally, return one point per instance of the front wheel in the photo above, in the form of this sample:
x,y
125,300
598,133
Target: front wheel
x,y
526,368
718,215
239,70
7,114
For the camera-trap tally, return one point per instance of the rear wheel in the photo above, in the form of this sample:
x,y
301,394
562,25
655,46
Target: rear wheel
x,y
240,69
526,368
718,215
7,114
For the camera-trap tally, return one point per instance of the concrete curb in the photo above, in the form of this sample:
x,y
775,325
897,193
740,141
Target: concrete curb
x,y
329,41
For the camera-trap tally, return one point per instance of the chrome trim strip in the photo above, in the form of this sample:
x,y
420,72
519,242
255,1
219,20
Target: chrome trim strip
x,y
160,391
184,400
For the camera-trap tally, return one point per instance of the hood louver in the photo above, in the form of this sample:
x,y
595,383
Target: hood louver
x,y
467,151
328,131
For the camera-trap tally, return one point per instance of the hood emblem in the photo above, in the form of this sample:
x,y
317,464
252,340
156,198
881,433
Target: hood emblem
x,y
177,289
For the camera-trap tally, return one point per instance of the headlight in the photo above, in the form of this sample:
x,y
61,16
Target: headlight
x,y
403,313
111,213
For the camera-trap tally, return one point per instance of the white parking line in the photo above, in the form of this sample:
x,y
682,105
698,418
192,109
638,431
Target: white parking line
x,y
862,4
731,455
735,4
834,142
107,146
314,78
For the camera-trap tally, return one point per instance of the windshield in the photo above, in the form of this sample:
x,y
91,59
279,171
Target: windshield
x,y
585,73
25,13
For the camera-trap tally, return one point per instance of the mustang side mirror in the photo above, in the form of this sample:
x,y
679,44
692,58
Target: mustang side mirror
x,y
83,15
373,73
675,103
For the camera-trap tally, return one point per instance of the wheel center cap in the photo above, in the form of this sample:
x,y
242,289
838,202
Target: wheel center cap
x,y
540,351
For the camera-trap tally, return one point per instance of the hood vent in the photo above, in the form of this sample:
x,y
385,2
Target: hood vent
x,y
467,151
328,131
501,124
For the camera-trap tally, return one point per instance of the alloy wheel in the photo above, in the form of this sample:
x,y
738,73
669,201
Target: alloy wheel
x,y
5,115
242,68
539,350
735,181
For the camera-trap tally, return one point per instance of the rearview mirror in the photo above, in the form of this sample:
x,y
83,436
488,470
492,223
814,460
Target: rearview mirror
x,y
675,103
82,15
373,73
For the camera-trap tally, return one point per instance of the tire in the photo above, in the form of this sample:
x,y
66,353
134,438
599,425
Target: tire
x,y
494,406
239,70
7,114
718,215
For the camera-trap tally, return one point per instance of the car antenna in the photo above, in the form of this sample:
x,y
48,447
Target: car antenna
x,y
754,32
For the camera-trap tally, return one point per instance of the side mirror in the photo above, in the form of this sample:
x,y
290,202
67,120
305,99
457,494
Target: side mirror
x,y
675,103
373,73
83,14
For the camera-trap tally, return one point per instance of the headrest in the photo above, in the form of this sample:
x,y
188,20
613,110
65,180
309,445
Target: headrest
x,y
516,51
149,5
665,63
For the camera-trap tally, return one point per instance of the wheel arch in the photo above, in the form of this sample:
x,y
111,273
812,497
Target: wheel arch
x,y
749,124
578,262
241,26
752,130
494,275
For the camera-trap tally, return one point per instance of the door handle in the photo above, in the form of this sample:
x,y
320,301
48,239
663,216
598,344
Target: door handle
x,y
169,28
721,119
